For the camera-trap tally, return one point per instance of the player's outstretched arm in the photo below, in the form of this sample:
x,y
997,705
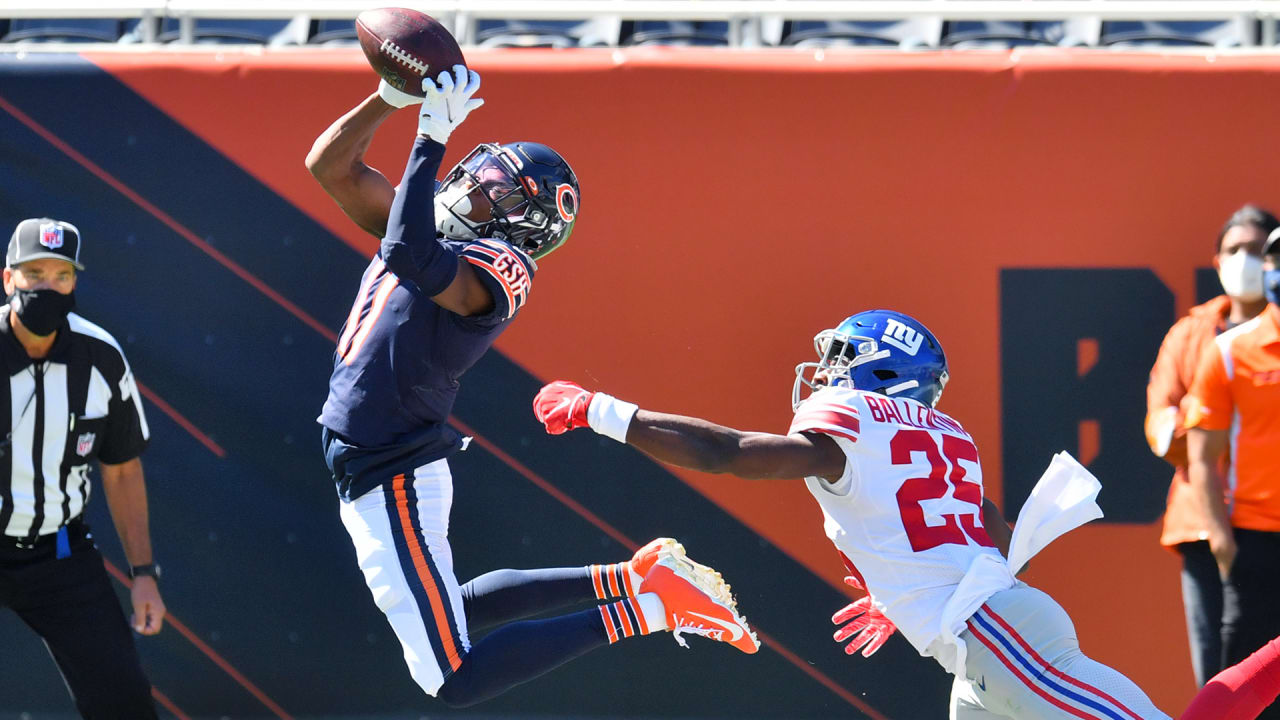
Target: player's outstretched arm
x,y
702,445
410,248
336,161
687,441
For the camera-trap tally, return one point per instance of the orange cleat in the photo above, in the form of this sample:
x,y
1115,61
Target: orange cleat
x,y
697,601
646,556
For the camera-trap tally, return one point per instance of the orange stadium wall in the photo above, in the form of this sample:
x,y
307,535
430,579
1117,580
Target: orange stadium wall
x,y
1047,215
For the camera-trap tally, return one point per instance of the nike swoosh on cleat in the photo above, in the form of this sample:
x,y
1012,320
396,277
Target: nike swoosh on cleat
x,y
733,628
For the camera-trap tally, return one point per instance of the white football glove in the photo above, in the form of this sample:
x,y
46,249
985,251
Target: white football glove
x,y
396,98
445,107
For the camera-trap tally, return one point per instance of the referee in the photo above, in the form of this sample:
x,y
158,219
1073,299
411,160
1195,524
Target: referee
x,y
71,398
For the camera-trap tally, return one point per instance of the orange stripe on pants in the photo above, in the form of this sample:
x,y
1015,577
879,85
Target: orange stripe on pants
x,y
424,575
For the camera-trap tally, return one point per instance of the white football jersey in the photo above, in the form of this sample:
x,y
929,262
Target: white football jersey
x,y
907,513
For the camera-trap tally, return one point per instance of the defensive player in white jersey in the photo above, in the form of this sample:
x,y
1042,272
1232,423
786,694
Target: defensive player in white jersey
x,y
900,486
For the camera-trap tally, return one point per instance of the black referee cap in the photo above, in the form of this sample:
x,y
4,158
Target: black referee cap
x,y
36,238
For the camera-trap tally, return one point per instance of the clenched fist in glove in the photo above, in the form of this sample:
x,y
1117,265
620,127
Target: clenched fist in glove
x,y
866,625
445,107
562,406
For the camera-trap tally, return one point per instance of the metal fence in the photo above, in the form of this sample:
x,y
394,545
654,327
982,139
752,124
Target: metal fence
x,y
747,20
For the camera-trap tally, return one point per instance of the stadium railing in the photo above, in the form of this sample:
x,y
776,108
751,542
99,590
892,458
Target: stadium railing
x,y
749,22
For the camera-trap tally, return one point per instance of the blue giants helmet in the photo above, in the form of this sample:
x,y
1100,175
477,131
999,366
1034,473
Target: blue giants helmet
x,y
880,351
532,196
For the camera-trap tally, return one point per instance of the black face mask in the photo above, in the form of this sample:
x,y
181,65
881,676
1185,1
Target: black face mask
x,y
42,311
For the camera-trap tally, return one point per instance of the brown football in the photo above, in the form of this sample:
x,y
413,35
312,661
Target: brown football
x,y
406,45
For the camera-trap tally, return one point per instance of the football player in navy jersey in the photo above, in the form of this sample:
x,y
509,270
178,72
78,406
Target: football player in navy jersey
x,y
455,266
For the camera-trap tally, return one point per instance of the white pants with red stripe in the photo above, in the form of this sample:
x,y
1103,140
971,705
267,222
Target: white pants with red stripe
x,y
1023,661
401,539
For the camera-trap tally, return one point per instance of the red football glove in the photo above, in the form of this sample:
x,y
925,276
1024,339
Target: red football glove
x,y
562,406
866,625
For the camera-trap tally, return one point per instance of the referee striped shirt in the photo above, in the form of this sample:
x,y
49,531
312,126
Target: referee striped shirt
x,y
77,404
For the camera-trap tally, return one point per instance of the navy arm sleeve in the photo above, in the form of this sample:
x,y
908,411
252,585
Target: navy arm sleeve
x,y
410,248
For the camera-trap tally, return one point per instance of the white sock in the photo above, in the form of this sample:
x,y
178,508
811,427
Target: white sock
x,y
655,615
636,578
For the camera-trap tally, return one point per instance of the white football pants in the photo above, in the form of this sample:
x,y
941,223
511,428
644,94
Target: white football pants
x,y
401,538
1023,661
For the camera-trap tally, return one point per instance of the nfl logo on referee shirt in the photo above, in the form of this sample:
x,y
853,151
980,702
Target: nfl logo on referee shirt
x,y
84,444
51,235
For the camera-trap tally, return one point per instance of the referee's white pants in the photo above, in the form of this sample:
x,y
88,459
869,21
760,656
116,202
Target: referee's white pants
x,y
1024,661
401,538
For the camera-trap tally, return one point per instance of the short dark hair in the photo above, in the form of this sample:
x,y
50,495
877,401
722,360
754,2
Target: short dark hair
x,y
1250,214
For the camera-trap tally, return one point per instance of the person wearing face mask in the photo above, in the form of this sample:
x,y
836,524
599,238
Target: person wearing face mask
x,y
1234,402
72,399
1238,261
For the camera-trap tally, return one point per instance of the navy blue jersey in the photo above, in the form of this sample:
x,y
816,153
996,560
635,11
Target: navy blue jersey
x,y
400,356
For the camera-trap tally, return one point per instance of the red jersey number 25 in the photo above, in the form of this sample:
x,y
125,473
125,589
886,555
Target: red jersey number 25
x,y
957,528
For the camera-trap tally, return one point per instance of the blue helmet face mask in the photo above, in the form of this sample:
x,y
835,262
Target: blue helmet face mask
x,y
879,351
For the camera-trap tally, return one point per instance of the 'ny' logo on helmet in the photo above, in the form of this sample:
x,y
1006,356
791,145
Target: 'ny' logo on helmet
x,y
902,337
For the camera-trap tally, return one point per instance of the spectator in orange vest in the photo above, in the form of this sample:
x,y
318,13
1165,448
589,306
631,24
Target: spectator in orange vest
x,y
1239,264
1235,402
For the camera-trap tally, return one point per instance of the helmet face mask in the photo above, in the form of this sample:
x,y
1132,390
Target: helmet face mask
x,y
528,192
879,351
837,354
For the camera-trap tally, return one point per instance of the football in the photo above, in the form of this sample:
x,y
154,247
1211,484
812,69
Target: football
x,y
405,45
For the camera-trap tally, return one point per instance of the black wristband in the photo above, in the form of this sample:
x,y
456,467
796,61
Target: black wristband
x,y
149,570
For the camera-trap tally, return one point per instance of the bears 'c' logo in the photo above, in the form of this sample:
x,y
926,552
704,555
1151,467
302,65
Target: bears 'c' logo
x,y
566,202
